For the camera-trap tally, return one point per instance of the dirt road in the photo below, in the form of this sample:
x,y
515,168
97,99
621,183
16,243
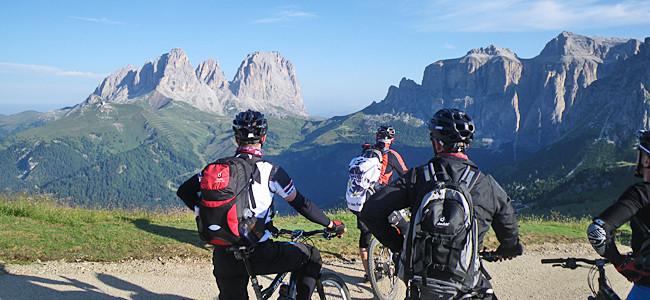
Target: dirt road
x,y
522,278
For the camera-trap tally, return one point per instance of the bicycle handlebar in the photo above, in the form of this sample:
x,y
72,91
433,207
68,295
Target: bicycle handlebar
x,y
490,256
553,260
298,233
572,262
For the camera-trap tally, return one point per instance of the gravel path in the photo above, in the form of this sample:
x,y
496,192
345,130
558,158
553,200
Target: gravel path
x,y
521,278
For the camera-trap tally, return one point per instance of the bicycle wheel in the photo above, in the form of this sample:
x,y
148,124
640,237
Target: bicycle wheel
x,y
331,286
383,274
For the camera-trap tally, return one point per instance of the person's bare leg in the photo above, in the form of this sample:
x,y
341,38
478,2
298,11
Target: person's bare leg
x,y
363,253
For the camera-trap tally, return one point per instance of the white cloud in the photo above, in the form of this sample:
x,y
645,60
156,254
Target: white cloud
x,y
527,15
102,20
286,15
45,70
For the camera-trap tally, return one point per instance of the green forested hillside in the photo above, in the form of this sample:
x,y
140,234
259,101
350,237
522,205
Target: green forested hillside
x,y
132,156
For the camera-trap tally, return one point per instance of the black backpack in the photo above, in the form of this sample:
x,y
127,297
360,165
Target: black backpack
x,y
441,257
225,215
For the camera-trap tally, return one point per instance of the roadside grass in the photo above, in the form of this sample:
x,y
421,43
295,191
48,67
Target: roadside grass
x,y
37,228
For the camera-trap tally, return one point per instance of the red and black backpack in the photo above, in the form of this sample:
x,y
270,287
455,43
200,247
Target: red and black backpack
x,y
225,215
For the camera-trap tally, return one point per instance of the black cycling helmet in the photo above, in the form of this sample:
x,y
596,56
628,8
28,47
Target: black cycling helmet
x,y
643,147
385,132
250,127
451,126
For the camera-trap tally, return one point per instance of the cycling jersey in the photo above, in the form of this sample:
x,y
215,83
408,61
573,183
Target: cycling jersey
x,y
392,162
270,180
269,257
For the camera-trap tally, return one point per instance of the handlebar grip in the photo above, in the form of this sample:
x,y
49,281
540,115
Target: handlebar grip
x,y
553,260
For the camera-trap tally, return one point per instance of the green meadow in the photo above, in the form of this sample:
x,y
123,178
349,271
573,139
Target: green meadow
x,y
37,228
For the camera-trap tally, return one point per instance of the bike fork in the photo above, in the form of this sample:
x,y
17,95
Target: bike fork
x,y
256,285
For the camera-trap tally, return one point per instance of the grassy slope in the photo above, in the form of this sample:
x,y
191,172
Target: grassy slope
x,y
36,228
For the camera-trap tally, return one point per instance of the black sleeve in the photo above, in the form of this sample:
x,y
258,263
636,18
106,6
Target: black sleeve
x,y
505,220
188,192
397,163
619,213
377,209
309,210
627,205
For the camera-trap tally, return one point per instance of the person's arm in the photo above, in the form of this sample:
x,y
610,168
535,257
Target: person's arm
x,y
188,192
504,223
601,231
282,185
396,162
377,209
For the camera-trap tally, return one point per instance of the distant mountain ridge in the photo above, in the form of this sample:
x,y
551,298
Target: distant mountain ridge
x,y
515,100
556,129
265,81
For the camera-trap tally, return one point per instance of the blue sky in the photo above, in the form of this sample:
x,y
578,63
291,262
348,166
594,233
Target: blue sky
x,y
347,53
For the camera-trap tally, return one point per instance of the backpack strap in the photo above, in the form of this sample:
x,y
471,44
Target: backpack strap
x,y
469,177
250,165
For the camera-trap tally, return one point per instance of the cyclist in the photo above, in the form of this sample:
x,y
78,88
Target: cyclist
x,y
268,257
392,167
633,205
451,132
392,162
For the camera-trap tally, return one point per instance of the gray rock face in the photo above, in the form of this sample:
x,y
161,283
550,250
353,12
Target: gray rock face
x,y
513,100
265,82
210,73
267,78
616,106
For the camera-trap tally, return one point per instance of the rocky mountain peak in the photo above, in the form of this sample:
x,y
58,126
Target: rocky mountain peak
x,y
265,81
211,74
568,44
268,77
492,50
115,86
521,101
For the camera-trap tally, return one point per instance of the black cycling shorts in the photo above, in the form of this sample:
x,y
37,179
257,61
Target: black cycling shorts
x,y
364,233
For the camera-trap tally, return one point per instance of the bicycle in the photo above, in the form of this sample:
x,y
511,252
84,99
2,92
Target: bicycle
x,y
383,272
604,292
328,286
381,263
384,278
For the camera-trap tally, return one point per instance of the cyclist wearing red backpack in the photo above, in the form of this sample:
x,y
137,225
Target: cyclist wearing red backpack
x,y
233,199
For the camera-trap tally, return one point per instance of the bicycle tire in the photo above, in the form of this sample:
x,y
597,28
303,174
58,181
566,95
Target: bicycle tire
x,y
334,287
383,280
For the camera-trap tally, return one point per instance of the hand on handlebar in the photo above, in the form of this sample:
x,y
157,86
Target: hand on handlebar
x,y
508,253
335,228
629,269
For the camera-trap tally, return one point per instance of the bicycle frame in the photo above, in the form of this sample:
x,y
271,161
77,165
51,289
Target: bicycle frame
x,y
605,292
242,253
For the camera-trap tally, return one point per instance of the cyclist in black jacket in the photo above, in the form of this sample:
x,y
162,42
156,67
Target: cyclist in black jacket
x,y
268,257
633,205
451,131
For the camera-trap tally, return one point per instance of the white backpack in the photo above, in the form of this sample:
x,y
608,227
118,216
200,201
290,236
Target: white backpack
x,y
363,172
